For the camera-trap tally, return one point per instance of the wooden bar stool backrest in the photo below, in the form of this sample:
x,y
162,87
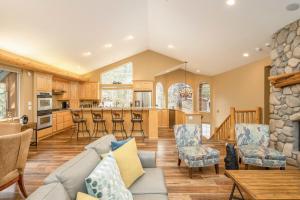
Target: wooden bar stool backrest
x,y
76,116
116,114
97,114
137,114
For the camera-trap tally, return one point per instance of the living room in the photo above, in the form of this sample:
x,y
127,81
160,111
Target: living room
x,y
142,99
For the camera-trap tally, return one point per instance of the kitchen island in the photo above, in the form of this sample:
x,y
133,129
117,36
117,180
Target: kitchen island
x,y
150,120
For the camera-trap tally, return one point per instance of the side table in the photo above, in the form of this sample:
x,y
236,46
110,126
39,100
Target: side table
x,y
32,125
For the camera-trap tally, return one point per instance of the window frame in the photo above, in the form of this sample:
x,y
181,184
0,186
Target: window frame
x,y
163,96
200,97
18,72
192,99
111,86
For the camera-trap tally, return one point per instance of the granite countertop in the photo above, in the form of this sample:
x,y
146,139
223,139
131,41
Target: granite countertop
x,y
113,108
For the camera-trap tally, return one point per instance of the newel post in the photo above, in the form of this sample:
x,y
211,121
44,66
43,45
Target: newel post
x,y
258,114
232,124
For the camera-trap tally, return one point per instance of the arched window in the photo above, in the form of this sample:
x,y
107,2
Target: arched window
x,y
160,100
176,101
204,97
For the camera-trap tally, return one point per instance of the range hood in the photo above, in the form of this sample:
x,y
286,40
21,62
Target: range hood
x,y
58,92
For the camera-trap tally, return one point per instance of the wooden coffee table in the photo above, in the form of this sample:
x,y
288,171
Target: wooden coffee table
x,y
267,184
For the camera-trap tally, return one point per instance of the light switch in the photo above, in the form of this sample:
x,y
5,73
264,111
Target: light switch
x,y
29,103
29,107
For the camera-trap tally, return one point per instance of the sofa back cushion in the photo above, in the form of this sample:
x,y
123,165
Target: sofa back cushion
x,y
187,135
254,134
102,145
72,174
50,192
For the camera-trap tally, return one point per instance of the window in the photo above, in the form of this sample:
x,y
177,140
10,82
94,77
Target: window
x,y
204,97
176,101
8,94
120,94
160,100
119,75
116,97
206,130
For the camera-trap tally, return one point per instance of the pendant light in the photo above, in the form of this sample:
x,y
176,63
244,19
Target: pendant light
x,y
186,91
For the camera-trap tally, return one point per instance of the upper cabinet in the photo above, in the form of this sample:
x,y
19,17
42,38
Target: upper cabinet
x,y
43,82
74,86
62,87
143,85
89,91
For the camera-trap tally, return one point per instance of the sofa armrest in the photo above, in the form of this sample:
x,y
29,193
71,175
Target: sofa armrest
x,y
148,158
236,148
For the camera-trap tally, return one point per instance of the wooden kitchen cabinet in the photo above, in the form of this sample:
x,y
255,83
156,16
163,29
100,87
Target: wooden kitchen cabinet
x,y
89,91
62,122
41,134
66,94
43,82
74,90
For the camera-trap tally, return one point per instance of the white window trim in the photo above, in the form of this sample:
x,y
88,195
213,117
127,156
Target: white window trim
x,y
18,71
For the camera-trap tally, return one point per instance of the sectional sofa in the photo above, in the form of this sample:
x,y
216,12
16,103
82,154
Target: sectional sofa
x,y
68,179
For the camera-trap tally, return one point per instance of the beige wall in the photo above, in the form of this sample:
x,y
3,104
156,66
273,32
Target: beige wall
x,y
242,88
146,65
26,93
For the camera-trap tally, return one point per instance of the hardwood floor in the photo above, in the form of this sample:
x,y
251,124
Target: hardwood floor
x,y
56,150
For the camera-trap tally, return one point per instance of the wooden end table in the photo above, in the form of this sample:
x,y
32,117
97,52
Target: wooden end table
x,y
32,125
267,184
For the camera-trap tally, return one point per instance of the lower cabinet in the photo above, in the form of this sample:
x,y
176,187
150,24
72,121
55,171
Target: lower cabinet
x,y
61,120
41,134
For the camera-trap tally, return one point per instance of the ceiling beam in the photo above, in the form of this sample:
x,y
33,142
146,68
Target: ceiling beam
x,y
22,62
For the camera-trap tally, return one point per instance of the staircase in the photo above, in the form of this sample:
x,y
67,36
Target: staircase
x,y
226,131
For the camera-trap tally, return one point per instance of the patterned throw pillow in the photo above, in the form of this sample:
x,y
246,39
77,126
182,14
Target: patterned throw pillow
x,y
105,181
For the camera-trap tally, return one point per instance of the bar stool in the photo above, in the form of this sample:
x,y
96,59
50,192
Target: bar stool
x,y
137,117
77,118
98,118
117,118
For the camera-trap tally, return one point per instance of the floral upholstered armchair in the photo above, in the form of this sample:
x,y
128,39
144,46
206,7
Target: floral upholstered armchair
x,y
253,147
190,149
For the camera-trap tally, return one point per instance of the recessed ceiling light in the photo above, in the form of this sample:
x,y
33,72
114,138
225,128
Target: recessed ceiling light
x,y
292,6
198,70
108,45
267,44
246,54
258,49
79,67
86,54
230,2
171,46
129,37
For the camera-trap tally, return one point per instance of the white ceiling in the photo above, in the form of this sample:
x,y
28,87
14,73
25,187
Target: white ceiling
x,y
208,34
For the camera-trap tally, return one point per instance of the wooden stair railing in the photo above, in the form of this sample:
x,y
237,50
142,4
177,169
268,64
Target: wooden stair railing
x,y
226,131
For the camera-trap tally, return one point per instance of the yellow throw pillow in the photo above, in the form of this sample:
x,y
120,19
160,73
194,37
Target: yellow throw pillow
x,y
83,196
128,162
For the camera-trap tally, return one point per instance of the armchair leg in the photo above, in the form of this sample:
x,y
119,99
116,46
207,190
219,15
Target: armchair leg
x,y
217,168
21,186
179,161
282,168
246,166
191,172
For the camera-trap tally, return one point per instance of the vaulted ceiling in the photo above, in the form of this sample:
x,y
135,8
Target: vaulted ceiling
x,y
82,35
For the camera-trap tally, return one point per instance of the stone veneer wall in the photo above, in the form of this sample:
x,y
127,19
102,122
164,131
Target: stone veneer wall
x,y
285,103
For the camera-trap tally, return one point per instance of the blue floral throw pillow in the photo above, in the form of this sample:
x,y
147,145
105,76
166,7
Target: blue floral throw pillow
x,y
105,181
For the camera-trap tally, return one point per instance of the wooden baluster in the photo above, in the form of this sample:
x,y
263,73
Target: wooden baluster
x,y
232,124
258,118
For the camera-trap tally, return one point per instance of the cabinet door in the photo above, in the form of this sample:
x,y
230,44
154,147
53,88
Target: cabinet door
x,y
66,88
43,82
93,89
73,90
